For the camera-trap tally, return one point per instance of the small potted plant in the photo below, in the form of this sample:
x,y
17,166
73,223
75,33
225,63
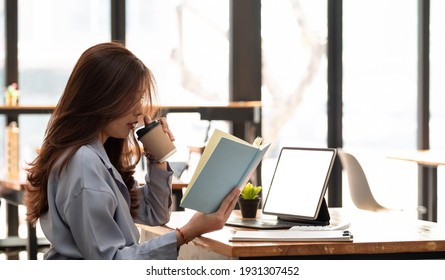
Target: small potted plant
x,y
249,200
12,94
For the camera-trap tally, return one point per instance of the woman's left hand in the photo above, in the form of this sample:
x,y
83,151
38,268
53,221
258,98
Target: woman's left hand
x,y
164,123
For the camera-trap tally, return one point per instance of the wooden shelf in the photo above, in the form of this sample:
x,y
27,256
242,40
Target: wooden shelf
x,y
26,110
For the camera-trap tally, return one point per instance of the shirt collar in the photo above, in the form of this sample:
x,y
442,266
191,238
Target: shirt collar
x,y
99,149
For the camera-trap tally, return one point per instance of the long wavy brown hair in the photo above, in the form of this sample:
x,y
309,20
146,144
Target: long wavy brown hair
x,y
104,85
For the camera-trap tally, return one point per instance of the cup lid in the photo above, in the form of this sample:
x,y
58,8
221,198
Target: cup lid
x,y
141,132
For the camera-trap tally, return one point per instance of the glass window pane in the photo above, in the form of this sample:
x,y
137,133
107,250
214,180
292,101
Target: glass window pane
x,y
185,44
52,36
32,129
380,94
437,96
294,91
437,67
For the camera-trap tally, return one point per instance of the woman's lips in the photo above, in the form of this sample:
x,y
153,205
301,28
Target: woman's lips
x,y
133,125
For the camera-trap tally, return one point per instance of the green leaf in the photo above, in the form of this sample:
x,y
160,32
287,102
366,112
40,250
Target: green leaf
x,y
250,191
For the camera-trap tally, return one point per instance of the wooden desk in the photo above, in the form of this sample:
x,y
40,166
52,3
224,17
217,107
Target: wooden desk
x,y
376,235
236,111
244,115
428,162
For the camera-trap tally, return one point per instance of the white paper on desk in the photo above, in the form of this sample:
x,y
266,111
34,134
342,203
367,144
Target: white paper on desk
x,y
291,235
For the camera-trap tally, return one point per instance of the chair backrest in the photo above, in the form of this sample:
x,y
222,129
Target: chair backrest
x,y
358,184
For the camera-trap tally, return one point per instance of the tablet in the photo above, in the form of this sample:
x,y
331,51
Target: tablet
x,y
299,183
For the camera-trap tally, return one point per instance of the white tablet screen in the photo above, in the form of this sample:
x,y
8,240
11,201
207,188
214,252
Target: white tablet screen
x,y
299,182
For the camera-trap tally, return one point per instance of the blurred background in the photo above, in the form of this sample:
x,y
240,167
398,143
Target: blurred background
x,y
186,45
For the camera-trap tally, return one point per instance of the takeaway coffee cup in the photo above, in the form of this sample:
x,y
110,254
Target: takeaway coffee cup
x,y
156,141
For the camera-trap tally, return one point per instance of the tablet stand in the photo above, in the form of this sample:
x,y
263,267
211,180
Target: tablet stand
x,y
323,217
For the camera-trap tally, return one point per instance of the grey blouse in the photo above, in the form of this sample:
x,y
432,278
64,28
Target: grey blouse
x,y
89,216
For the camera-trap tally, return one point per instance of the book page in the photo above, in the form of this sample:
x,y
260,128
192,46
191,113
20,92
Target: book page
x,y
210,147
257,142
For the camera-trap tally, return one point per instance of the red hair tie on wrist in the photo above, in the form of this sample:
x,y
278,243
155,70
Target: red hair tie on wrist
x,y
182,235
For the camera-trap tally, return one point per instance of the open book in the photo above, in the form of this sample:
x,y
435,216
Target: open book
x,y
227,162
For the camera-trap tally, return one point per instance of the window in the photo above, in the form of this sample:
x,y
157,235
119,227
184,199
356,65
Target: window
x,y
294,92
437,90
380,94
185,44
52,36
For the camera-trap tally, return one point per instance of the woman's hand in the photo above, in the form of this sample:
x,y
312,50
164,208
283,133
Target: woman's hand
x,y
203,223
164,123
167,130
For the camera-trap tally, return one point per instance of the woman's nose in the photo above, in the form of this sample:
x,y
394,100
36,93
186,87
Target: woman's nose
x,y
138,110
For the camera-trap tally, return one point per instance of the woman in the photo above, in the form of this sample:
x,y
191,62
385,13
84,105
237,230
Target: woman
x,y
81,184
